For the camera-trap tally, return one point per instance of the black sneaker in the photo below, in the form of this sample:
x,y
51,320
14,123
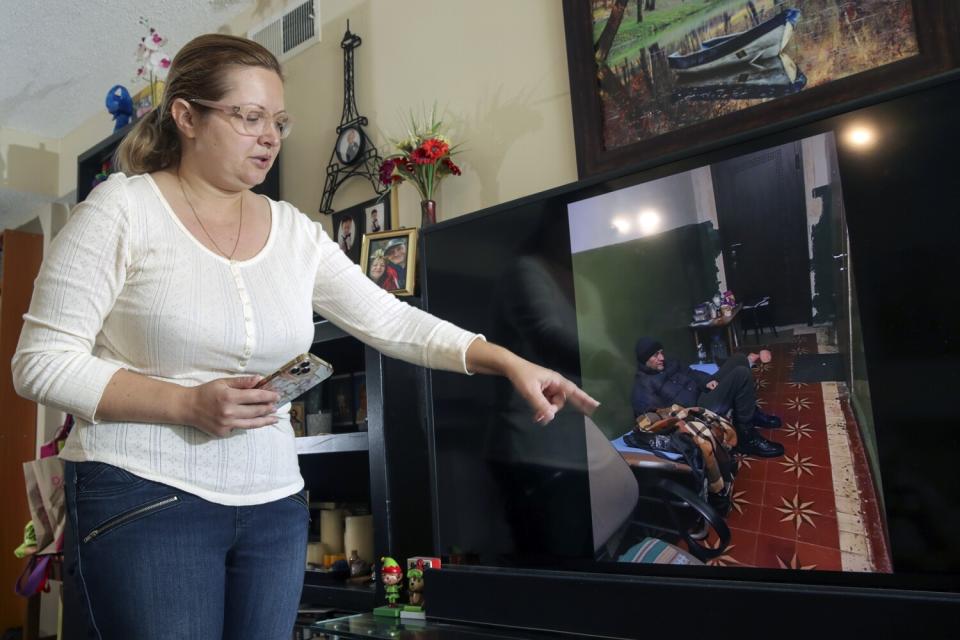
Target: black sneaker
x,y
757,445
766,420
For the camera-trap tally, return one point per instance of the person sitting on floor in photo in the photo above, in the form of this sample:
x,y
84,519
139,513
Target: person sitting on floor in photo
x,y
661,382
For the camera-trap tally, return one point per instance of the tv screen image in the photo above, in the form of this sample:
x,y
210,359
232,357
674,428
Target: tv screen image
x,y
822,251
767,227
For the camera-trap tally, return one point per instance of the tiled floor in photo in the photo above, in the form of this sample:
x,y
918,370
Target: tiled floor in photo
x,y
807,509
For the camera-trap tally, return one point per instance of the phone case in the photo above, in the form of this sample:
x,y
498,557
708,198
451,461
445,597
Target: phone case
x,y
297,377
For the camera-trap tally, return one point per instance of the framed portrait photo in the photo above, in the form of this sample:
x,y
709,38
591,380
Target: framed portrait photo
x,y
298,418
350,224
350,145
360,400
340,388
650,78
147,98
376,217
389,259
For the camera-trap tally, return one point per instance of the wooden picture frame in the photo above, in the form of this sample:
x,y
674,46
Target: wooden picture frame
x,y
298,418
634,95
340,388
389,259
360,400
357,218
147,98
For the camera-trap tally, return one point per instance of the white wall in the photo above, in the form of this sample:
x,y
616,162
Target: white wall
x,y
816,173
497,67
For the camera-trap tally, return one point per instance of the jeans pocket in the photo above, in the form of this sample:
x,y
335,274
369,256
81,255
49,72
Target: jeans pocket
x,y
131,515
100,478
299,497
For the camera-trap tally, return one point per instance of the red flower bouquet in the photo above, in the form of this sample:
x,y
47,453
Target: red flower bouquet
x,y
423,158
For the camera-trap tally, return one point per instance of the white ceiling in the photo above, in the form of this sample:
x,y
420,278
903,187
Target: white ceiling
x,y
58,58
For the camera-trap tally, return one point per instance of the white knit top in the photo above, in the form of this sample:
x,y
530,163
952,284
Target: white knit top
x,y
126,285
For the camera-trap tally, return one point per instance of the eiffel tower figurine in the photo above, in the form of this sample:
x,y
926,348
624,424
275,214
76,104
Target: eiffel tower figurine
x,y
353,153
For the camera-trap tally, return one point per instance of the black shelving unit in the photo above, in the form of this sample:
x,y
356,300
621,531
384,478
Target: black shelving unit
x,y
387,469
321,591
90,162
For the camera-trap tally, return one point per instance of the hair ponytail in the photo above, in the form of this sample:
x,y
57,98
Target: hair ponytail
x,y
151,145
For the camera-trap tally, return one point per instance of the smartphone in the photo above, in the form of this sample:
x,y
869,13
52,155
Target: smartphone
x,y
296,377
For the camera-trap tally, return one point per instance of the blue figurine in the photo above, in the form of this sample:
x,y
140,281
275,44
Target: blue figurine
x,y
120,104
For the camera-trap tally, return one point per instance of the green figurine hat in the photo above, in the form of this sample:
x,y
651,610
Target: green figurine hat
x,y
417,571
389,565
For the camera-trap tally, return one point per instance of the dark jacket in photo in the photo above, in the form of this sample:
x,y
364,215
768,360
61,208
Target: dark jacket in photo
x,y
676,384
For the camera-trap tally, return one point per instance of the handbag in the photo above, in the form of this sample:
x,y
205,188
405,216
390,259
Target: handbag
x,y
47,501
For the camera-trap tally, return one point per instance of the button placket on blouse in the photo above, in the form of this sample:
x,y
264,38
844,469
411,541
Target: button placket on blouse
x,y
247,314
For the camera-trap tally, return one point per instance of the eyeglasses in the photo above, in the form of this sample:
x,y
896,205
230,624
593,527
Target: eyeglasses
x,y
250,119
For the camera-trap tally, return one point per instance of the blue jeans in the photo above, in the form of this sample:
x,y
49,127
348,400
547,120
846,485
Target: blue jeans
x,y
146,561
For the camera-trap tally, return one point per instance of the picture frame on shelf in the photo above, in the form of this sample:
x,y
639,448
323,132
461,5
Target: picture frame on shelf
x,y
298,418
340,388
350,224
690,75
425,562
147,98
389,259
360,400
376,218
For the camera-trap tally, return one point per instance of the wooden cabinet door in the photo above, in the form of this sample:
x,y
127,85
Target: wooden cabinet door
x,y
21,255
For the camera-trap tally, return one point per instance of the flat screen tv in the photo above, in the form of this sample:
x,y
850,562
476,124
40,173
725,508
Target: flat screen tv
x,y
830,242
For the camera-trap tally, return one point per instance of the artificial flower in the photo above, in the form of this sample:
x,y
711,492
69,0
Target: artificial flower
x,y
422,157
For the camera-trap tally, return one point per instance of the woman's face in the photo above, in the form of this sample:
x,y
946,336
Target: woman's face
x,y
231,159
377,267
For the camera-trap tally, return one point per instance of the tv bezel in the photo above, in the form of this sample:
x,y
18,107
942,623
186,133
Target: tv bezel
x,y
941,589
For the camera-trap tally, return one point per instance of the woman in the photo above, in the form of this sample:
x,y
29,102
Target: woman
x,y
384,275
159,304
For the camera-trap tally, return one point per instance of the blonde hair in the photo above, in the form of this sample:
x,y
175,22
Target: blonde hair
x,y
199,70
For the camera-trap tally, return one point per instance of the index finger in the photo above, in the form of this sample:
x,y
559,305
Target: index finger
x,y
580,399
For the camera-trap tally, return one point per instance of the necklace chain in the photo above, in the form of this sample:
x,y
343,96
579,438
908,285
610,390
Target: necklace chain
x,y
200,222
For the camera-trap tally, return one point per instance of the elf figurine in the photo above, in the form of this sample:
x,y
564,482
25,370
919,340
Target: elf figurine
x,y
391,575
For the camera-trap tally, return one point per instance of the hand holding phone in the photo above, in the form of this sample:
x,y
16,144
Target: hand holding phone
x,y
296,377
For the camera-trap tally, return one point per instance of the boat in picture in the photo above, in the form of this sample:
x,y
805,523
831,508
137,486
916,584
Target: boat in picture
x,y
764,41
764,79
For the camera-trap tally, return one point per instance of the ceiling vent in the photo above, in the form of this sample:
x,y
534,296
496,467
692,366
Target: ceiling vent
x,y
288,33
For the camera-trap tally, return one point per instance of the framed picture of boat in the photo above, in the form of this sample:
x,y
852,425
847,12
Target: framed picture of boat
x,y
649,78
